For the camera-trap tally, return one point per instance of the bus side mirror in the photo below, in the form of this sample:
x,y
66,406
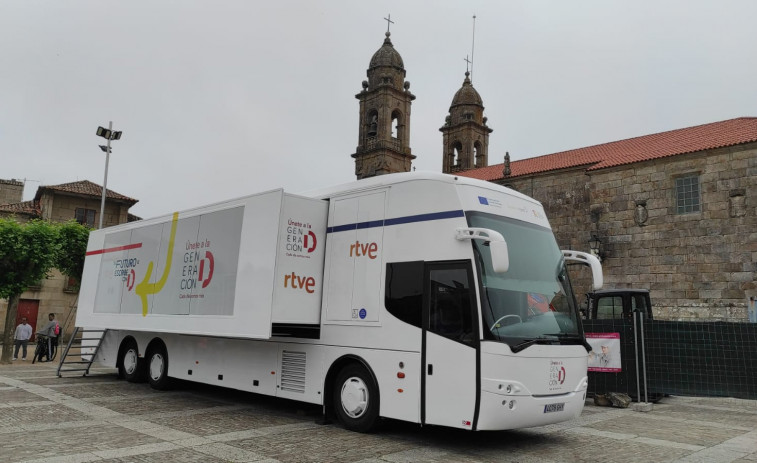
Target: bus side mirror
x,y
591,261
500,256
496,242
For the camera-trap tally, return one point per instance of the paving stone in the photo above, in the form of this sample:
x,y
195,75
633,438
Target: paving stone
x,y
220,422
58,443
45,419
689,432
179,455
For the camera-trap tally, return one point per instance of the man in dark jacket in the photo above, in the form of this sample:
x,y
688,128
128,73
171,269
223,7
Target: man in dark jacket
x,y
51,337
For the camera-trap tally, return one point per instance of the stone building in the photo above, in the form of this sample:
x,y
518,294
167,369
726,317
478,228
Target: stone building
x,y
78,201
674,212
465,135
384,134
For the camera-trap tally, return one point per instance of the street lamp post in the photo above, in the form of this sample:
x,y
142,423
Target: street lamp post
x,y
109,134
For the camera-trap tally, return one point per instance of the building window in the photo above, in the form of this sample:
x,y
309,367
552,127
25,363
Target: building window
x,y
86,216
71,286
687,194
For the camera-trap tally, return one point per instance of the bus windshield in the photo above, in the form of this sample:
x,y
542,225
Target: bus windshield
x,y
533,302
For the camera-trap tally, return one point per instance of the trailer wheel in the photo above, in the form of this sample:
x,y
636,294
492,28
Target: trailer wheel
x,y
157,368
130,366
356,398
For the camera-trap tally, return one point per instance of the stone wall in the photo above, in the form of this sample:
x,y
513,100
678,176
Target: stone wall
x,y
62,208
699,265
11,191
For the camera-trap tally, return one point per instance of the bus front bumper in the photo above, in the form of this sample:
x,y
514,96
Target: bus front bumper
x,y
499,412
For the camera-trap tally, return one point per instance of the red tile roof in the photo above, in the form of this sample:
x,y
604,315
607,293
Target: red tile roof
x,y
659,145
27,208
84,187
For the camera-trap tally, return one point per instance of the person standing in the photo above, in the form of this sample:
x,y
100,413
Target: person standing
x,y
21,338
49,331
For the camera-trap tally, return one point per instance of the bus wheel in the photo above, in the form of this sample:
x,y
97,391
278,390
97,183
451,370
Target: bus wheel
x,y
129,366
356,398
157,368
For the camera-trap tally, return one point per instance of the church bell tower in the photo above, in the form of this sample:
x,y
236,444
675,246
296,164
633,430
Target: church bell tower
x,y
384,135
465,135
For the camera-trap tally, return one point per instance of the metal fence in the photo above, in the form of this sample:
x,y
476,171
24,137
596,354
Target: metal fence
x,y
658,357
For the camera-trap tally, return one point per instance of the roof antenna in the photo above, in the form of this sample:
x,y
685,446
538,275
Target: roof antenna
x,y
473,47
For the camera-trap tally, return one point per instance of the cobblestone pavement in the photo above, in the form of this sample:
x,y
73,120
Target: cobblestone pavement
x,y
99,418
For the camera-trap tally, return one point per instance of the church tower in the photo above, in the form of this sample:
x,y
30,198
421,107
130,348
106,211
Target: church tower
x,y
384,135
465,133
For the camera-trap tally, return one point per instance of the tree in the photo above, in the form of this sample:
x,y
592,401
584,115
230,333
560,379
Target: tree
x,y
73,238
27,253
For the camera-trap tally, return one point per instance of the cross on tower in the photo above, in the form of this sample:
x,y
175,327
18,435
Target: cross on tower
x,y
467,62
389,21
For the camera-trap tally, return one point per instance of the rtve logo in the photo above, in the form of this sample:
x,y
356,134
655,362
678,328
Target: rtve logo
x,y
363,249
295,281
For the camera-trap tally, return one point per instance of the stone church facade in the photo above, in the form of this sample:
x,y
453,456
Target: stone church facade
x,y
673,212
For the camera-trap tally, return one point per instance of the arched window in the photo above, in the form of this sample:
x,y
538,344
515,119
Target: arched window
x,y
372,121
457,155
396,124
478,155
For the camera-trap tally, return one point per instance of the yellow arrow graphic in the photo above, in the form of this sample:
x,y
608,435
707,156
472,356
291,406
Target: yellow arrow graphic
x,y
145,288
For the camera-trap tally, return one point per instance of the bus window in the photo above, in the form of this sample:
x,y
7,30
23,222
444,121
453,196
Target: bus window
x,y
450,309
404,291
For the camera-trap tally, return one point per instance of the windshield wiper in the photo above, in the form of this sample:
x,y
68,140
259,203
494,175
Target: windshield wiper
x,y
526,344
562,338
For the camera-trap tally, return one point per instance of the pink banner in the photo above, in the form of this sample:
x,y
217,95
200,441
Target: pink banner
x,y
605,353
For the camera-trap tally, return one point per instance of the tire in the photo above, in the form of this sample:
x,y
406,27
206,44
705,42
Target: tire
x,y
356,399
130,366
157,368
37,352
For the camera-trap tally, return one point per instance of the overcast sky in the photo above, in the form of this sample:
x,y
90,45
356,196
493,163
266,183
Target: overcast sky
x,y
220,99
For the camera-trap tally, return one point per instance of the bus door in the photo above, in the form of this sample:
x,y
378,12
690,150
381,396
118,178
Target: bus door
x,y
450,342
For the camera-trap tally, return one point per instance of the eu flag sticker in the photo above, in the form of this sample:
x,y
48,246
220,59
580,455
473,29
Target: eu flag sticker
x,y
483,200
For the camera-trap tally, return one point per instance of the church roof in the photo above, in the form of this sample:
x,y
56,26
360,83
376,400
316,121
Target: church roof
x,y
467,95
86,188
387,56
645,148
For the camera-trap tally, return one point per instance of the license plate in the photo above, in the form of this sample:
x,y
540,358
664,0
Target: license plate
x,y
554,407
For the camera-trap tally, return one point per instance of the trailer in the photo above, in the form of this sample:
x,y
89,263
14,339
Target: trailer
x,y
422,297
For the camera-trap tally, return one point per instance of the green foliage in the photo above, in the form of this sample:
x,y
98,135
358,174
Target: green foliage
x,y
27,252
73,238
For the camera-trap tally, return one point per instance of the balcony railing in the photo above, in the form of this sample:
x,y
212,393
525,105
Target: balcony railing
x,y
374,143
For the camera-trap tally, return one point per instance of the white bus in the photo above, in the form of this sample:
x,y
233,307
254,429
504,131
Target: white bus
x,y
421,297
